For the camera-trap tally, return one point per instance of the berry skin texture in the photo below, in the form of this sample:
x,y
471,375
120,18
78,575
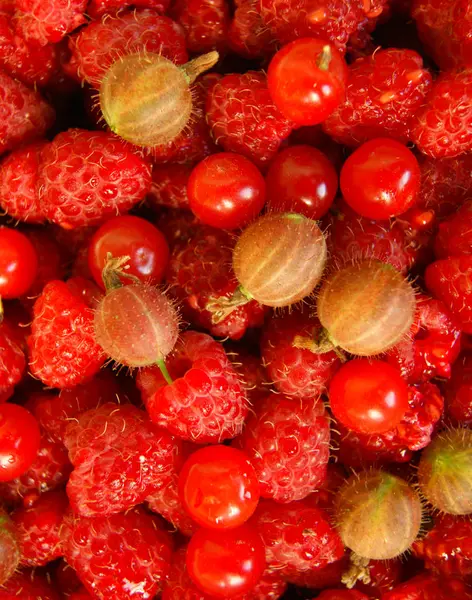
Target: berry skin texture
x,y
224,566
381,179
449,280
28,585
97,8
119,459
458,391
307,80
169,186
205,23
226,191
134,556
86,177
247,35
342,595
50,21
443,127
428,586
62,347
243,118
206,402
288,444
12,357
9,548
454,236
384,92
19,441
18,263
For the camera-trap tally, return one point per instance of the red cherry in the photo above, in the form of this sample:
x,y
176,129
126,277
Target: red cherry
x,y
19,441
226,191
307,80
225,564
134,237
219,487
368,396
18,263
301,179
381,179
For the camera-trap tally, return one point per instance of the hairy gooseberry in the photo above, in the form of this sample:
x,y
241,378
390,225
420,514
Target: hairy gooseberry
x,y
378,515
147,99
10,552
445,472
366,308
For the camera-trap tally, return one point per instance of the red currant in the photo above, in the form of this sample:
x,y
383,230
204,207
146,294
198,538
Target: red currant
x,y
19,441
307,80
134,237
368,396
381,179
303,180
219,487
225,565
18,263
226,191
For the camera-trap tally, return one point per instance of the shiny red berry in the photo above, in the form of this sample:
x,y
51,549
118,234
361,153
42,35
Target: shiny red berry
x,y
18,263
19,441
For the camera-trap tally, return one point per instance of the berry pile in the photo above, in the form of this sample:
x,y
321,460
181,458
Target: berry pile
x,y
235,299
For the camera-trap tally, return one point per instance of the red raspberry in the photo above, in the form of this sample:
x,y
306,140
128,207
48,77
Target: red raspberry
x,y
119,459
323,577
243,118
297,537
48,21
178,226
200,273
39,527
433,345
97,8
51,262
342,595
169,186
458,391
427,586
247,35
12,357
62,346
205,23
82,594
66,579
24,115
118,557
18,184
101,43
325,495
447,547
288,444
450,280
383,95
455,235
379,577
28,585
445,28
443,127
250,370
206,403
294,368
87,177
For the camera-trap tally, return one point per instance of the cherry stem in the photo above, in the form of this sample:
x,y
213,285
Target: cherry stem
x,y
222,307
114,269
324,58
165,373
199,65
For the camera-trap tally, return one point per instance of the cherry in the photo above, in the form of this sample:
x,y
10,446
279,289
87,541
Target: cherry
x,y
368,396
18,263
380,179
219,487
303,180
19,441
307,80
224,565
226,190
134,237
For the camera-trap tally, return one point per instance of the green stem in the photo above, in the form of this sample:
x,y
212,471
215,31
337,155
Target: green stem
x,y
165,373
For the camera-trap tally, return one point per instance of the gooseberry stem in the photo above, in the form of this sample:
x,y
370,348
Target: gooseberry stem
x,y
114,269
199,65
165,373
319,344
222,307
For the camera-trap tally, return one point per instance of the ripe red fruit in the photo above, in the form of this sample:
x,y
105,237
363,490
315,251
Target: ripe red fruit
x,y
303,180
342,595
169,186
307,80
13,359
205,23
9,548
219,487
247,35
458,391
428,586
48,22
454,236
224,565
19,441
226,190
136,238
28,585
381,179
18,263
368,396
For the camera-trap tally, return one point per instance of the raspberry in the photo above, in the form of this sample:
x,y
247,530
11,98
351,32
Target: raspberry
x,y
250,371
383,95
101,43
12,357
119,556
119,458
342,595
24,115
169,186
298,538
443,127
178,226
450,280
323,577
325,495
97,8
28,585
66,579
427,586
199,272
378,577
433,344
18,183
62,346
288,444
458,391
243,118
206,403
51,263
87,177
247,33
447,547
455,234
49,21
39,528
205,23
9,548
